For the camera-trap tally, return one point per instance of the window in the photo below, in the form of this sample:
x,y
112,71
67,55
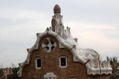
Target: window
x,y
50,75
73,78
38,63
63,62
48,44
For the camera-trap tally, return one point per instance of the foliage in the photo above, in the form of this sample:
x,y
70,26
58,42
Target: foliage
x,y
115,66
1,73
15,70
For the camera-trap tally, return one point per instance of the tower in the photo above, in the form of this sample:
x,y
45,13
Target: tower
x,y
57,23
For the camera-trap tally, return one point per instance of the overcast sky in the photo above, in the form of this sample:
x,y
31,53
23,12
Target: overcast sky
x,y
94,22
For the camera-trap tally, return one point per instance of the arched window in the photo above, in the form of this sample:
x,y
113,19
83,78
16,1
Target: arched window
x,y
38,63
63,61
50,75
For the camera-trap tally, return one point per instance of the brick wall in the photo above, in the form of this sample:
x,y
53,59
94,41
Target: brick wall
x,y
50,63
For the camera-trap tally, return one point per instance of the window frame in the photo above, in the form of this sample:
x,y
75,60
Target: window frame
x,y
60,62
37,63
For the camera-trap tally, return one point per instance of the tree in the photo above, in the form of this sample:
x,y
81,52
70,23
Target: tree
x,y
115,67
15,70
1,73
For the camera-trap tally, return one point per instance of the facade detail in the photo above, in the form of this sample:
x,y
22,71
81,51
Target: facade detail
x,y
61,57
49,44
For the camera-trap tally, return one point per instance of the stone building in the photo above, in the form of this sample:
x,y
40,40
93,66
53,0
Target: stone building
x,y
56,55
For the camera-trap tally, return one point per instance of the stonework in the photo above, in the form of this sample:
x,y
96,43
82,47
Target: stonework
x,y
57,42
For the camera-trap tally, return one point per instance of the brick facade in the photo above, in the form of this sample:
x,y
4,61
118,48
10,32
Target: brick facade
x,y
50,63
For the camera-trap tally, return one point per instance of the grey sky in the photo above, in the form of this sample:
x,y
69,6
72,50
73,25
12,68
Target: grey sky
x,y
94,22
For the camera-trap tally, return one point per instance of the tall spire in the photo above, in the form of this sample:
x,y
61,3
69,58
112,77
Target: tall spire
x,y
57,23
57,9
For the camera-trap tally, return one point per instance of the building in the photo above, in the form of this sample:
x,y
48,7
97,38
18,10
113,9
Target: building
x,y
6,72
56,55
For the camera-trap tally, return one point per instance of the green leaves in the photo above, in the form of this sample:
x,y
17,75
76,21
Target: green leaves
x,y
115,66
1,73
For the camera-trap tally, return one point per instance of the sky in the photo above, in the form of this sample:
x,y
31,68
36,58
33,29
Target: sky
x,y
94,22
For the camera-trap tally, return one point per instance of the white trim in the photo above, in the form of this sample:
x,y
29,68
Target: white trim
x,y
60,61
36,64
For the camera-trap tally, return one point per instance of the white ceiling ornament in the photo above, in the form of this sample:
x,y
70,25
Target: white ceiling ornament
x,y
49,44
